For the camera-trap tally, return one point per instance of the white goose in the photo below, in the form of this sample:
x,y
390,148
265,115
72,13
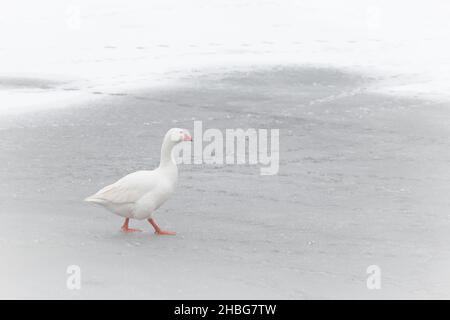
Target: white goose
x,y
139,194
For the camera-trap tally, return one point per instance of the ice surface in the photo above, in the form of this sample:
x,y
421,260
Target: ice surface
x,y
358,90
363,180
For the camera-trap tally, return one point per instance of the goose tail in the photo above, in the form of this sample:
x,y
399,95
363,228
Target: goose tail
x,y
94,199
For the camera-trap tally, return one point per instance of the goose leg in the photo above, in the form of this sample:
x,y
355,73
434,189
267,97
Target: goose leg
x,y
158,229
125,227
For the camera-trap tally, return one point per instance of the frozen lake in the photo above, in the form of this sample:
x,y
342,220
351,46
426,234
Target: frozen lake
x,y
89,46
363,181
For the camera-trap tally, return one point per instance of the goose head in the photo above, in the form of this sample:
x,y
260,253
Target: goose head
x,y
178,135
173,137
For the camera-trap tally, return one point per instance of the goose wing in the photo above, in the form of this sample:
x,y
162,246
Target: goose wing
x,y
129,189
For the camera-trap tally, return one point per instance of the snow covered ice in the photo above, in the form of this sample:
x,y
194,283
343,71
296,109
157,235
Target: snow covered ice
x,y
359,93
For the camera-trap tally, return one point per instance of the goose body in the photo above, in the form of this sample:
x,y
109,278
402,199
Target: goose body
x,y
139,194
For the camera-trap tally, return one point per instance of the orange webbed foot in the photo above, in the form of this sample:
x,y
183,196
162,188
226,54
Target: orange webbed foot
x,y
130,230
165,233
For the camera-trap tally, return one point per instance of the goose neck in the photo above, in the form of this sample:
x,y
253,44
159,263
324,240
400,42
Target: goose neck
x,y
166,154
